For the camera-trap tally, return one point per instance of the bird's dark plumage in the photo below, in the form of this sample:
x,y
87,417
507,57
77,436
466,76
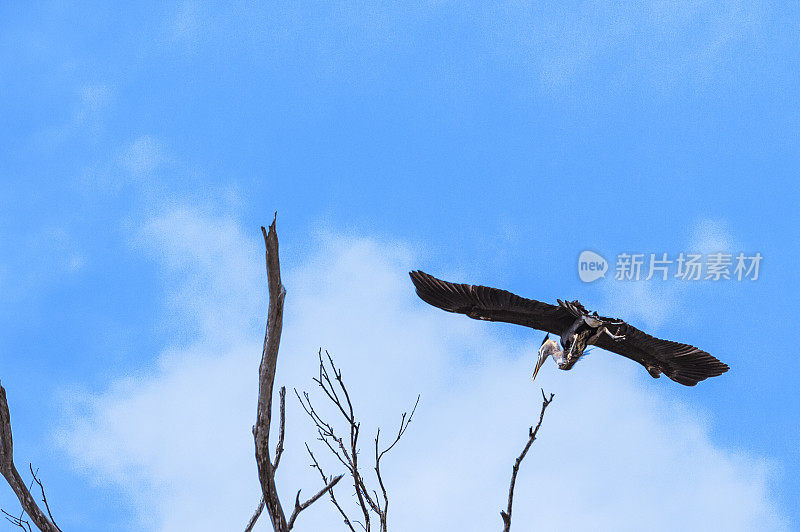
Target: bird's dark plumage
x,y
682,363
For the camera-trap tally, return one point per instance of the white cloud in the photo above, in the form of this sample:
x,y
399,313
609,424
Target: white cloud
x,y
612,454
188,23
649,303
611,44
142,156
60,249
134,165
87,119
656,302
712,236
95,100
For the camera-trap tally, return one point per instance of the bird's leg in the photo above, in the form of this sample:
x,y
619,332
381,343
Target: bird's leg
x,y
604,329
616,337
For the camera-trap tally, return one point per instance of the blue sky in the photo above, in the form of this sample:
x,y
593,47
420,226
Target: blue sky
x,y
143,146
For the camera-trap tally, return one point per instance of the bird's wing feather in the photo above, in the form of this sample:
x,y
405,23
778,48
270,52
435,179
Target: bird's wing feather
x,y
682,363
484,303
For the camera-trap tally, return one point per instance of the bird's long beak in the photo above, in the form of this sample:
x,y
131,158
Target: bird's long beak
x,y
539,363
542,358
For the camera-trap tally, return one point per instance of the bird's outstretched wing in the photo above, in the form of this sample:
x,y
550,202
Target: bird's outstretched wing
x,y
682,363
484,303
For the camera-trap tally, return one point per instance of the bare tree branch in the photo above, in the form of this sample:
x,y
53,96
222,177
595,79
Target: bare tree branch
x,y
330,492
266,383
362,493
279,447
255,517
9,471
278,453
298,507
506,514
18,521
347,452
404,423
44,497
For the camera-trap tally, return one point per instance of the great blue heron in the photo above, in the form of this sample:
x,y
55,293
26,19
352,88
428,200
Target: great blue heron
x,y
577,328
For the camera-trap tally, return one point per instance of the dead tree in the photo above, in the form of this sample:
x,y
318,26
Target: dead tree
x,y
371,503
345,448
266,381
44,522
506,514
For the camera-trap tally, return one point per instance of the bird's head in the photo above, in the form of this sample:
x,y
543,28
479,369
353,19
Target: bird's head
x,y
549,347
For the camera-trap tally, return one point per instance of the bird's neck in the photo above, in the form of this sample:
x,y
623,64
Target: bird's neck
x,y
551,348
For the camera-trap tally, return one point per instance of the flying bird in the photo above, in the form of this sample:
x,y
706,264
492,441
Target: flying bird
x,y
575,326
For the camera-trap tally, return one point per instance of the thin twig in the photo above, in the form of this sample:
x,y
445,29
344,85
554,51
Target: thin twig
x,y
255,517
369,501
279,448
18,521
298,507
326,432
365,502
361,489
278,453
330,492
404,423
44,497
347,454
506,514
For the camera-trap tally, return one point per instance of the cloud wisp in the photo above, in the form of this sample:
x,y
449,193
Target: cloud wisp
x,y
656,302
612,454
